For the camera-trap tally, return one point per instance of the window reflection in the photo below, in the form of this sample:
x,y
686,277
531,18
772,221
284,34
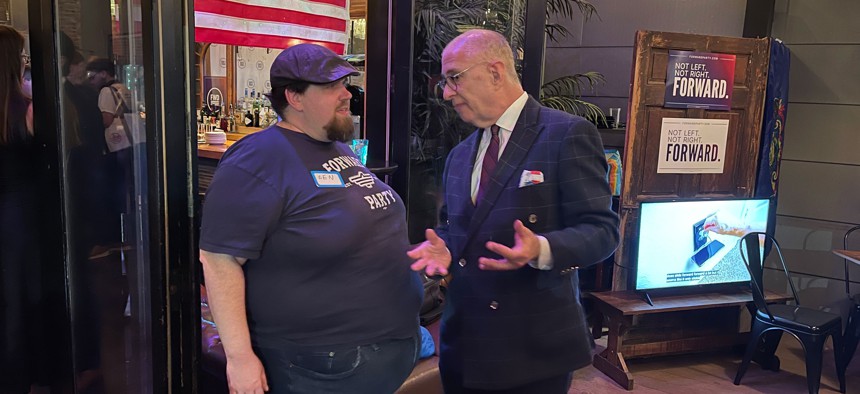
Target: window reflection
x,y
104,151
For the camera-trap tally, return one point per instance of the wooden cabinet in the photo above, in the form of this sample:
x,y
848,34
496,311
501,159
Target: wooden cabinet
x,y
641,181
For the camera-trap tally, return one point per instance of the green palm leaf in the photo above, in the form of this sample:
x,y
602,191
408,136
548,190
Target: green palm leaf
x,y
437,22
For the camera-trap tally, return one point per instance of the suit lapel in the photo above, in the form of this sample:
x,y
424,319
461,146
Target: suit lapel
x,y
462,186
522,137
465,187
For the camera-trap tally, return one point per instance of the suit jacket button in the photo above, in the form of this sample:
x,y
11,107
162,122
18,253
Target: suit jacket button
x,y
462,262
532,218
494,305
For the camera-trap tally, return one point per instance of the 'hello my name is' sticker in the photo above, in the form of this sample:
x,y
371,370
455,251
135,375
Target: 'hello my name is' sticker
x,y
327,179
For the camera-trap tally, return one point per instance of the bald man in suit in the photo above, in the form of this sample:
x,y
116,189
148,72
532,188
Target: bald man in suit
x,y
526,205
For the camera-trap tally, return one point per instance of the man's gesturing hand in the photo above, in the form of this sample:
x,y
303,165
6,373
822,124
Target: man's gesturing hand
x,y
431,256
526,248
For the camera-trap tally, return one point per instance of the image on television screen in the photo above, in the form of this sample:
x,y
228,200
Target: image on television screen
x,y
691,243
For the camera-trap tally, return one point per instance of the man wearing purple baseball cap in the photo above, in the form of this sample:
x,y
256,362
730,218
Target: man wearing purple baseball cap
x,y
303,248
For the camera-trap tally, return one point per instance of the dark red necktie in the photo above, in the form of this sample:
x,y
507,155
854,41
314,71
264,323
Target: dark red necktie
x,y
488,166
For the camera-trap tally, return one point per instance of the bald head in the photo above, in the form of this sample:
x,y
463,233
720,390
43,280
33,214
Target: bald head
x,y
479,45
480,79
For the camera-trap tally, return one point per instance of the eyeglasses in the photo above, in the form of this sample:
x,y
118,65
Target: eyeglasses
x,y
452,80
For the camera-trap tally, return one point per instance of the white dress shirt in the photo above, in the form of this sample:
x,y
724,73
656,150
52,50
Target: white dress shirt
x,y
506,125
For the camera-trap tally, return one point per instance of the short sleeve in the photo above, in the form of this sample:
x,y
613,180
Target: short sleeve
x,y
239,211
107,103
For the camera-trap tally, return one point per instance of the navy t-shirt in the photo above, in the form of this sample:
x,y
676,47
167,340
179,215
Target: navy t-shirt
x,y
325,240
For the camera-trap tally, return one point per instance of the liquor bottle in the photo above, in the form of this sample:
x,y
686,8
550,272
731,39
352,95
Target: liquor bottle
x,y
266,103
249,118
238,115
265,112
257,110
231,122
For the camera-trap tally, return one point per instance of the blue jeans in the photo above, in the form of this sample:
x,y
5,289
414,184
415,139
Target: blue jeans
x,y
376,368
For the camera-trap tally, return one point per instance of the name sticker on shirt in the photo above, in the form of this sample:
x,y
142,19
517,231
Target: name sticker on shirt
x,y
327,179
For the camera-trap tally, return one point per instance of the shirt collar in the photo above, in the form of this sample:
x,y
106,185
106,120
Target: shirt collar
x,y
509,118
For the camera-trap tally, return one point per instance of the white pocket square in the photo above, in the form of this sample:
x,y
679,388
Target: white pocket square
x,y
530,177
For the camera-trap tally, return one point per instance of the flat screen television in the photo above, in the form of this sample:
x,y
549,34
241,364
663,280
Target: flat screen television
x,y
695,243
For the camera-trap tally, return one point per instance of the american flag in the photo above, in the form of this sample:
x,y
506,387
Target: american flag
x,y
272,23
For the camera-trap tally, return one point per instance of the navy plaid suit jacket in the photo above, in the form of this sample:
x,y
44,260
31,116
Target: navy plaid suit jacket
x,y
505,329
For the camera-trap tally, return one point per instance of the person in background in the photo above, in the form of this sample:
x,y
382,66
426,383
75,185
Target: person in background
x,y
116,165
304,249
20,290
84,99
526,205
99,194
113,95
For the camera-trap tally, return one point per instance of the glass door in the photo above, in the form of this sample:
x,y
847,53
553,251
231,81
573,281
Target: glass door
x,y
103,148
124,153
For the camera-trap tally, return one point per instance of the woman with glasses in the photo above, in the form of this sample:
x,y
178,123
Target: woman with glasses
x,y
19,263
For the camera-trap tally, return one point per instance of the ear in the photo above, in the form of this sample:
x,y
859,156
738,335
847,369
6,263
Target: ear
x,y
497,70
294,99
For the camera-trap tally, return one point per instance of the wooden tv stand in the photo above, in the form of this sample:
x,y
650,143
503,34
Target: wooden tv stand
x,y
618,308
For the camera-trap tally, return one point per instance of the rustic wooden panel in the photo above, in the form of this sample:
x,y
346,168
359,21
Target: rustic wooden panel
x,y
232,95
710,341
718,184
631,303
625,255
357,9
641,181
684,331
652,183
